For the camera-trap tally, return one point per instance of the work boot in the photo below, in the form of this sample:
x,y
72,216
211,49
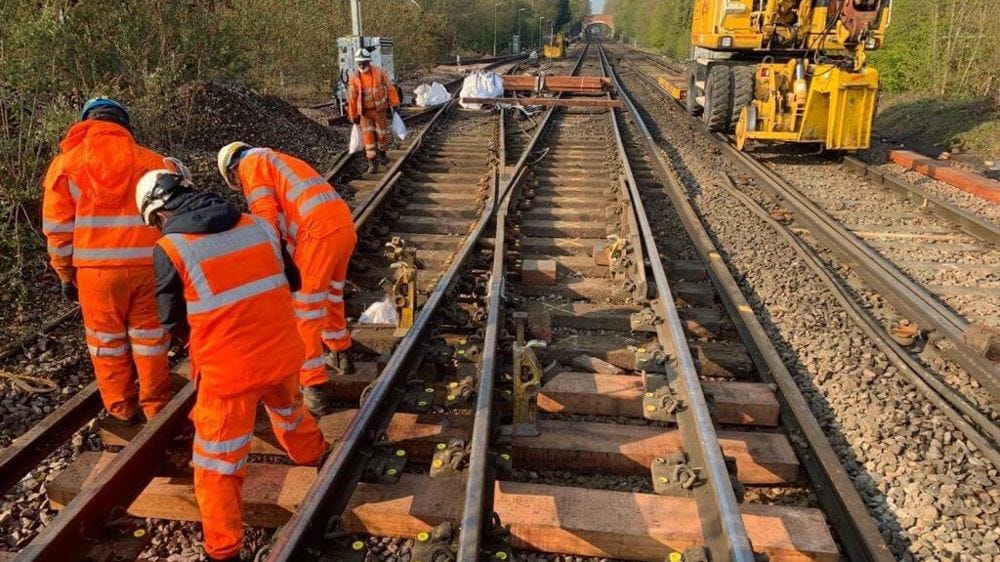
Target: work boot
x,y
315,400
383,158
111,422
339,362
372,167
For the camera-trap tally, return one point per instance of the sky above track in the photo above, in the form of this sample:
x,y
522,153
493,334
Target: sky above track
x,y
597,6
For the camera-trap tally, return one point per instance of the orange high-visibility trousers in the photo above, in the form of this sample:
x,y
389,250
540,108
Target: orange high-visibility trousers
x,y
374,131
123,328
319,305
223,431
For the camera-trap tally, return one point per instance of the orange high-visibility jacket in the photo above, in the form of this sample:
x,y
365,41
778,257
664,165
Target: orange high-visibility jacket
x,y
370,90
239,306
291,195
89,215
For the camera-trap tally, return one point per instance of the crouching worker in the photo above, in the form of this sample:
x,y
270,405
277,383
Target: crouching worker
x,y
223,285
318,228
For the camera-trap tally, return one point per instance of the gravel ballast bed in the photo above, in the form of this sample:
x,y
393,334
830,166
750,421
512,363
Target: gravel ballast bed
x,y
931,496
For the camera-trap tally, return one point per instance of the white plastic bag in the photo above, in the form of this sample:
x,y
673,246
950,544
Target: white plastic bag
x,y
430,96
398,127
481,85
357,144
382,312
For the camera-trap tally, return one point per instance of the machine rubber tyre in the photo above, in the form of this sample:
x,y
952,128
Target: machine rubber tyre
x,y
691,96
718,98
742,92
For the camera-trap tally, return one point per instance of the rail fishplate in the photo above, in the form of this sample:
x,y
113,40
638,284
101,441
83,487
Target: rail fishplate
x,y
672,475
386,464
450,459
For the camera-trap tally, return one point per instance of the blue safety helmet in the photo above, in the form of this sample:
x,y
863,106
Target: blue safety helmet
x,y
97,103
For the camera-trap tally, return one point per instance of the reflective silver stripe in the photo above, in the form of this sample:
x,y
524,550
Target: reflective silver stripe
x,y
53,227
237,294
106,337
308,298
215,465
293,229
293,425
140,349
258,193
314,363
300,186
115,253
309,204
338,335
74,190
272,237
283,412
116,351
147,333
63,252
337,285
223,447
309,314
336,298
282,225
109,222
291,248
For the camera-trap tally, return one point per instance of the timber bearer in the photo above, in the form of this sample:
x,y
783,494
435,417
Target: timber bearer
x,y
316,226
370,95
103,254
223,283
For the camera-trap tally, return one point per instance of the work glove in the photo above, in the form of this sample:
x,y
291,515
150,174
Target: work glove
x,y
70,291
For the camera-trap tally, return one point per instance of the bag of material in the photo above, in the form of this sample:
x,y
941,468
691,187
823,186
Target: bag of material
x,y
481,85
382,312
357,143
430,96
398,127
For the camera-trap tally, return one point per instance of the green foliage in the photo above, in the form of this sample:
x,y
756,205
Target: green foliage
x,y
661,25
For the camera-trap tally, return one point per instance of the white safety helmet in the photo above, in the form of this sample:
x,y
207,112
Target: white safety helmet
x,y
155,189
362,55
225,161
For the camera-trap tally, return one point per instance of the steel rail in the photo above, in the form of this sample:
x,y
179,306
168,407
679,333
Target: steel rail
x,y
985,230
478,503
972,423
722,523
80,523
857,531
329,495
910,299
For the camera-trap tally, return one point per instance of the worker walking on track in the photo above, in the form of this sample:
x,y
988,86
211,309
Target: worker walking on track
x,y
317,227
370,95
103,254
223,284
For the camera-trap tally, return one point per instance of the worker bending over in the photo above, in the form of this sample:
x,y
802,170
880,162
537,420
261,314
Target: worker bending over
x,y
317,227
370,95
103,254
224,284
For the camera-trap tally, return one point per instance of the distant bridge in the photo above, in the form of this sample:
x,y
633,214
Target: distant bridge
x,y
599,19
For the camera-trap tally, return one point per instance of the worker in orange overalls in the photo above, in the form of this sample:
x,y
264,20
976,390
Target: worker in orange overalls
x,y
224,284
318,229
103,254
370,95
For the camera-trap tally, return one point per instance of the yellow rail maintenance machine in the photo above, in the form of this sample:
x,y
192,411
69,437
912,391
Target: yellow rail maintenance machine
x,y
786,70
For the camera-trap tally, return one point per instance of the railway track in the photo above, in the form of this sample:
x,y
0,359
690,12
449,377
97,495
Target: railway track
x,y
656,418
885,250
934,263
